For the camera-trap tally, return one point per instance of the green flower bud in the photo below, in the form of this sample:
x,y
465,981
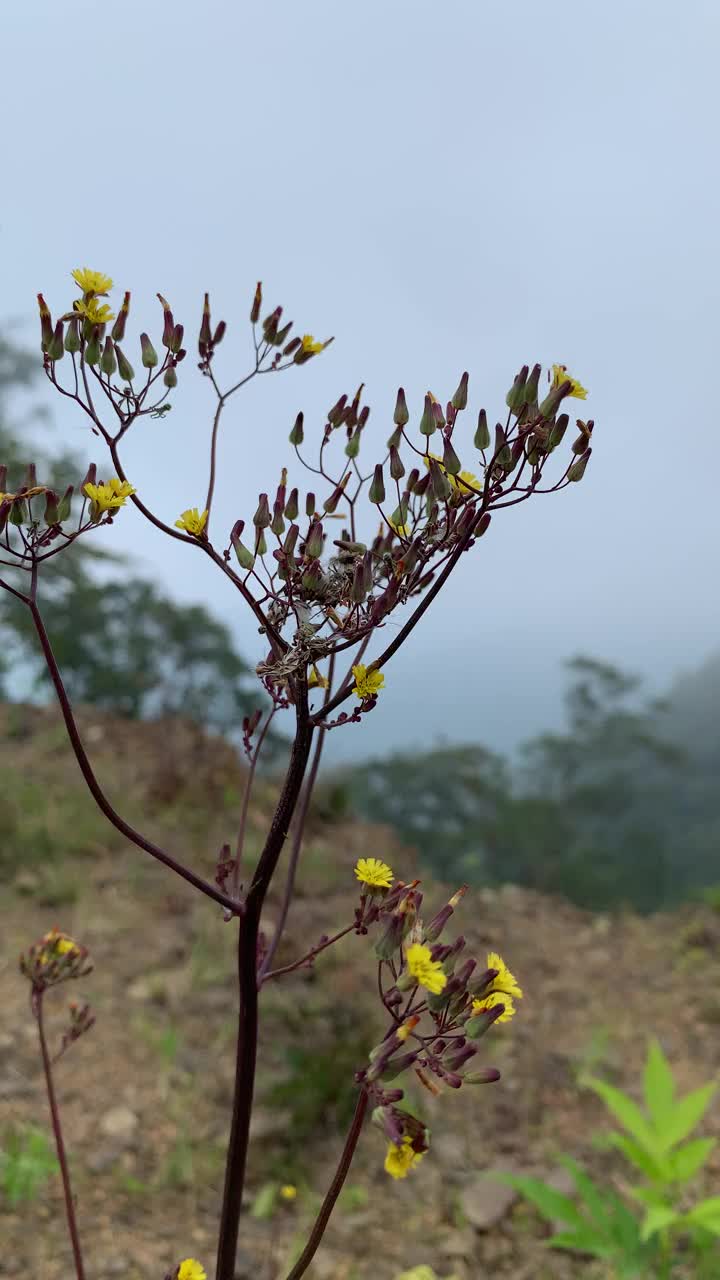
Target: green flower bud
x,y
330,503
516,397
257,304
401,417
291,506
52,508
170,377
482,435
168,323
451,462
531,388
56,345
92,349
577,470
117,333
428,424
72,337
352,448
262,517
397,469
441,486
64,504
315,541
502,452
557,431
459,400
297,435
149,354
108,363
376,492
310,504
125,369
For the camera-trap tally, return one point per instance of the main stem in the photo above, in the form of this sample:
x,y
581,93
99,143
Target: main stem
x,y
249,929
59,1144
334,1190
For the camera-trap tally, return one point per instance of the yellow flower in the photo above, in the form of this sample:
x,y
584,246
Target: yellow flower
x,y
367,683
288,1192
94,311
560,375
91,281
310,346
110,496
506,982
374,873
401,530
190,1269
192,521
492,1001
59,943
428,973
316,681
401,1158
464,482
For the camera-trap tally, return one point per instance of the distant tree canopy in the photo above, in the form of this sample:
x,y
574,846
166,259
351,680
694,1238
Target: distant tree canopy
x,y
622,806
122,646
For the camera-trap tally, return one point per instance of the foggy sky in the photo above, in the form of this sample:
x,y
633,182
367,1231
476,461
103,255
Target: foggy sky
x,y
443,187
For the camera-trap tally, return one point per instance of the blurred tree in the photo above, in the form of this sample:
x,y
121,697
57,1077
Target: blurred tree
x,y
167,659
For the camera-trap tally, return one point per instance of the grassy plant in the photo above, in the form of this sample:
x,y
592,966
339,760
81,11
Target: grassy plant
x,y
27,1160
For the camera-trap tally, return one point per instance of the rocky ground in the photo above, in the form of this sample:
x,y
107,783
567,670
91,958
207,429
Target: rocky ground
x,y
145,1095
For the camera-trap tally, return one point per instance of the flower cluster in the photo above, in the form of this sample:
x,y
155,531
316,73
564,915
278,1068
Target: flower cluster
x,y
54,959
440,1005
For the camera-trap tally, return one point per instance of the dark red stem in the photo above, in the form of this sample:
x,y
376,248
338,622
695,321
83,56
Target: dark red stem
x,y
334,1190
57,1131
248,988
95,789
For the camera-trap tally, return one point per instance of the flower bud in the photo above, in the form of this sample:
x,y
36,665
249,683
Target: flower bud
x,y
487,1075
291,506
312,578
309,504
516,397
451,462
219,333
330,503
397,469
359,589
297,435
278,523
168,323
149,354
117,333
56,345
459,400
90,477
18,512
108,363
261,519
72,336
352,448
64,504
428,424
482,435
376,492
46,326
170,377
176,338
441,486
257,304
557,431
395,1066
245,557
260,543
336,414
438,922
577,470
401,417
92,348
460,1054
51,515
531,388
315,541
480,1023
125,369
205,334
502,453
270,326
290,542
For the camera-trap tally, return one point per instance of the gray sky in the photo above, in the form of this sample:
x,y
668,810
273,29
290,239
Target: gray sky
x,y
443,187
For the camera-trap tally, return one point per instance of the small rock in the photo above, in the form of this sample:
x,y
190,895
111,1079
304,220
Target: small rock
x,y
484,1201
103,1158
457,1244
27,882
120,1124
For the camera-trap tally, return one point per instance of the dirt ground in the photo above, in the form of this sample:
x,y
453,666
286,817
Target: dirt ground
x,y
146,1094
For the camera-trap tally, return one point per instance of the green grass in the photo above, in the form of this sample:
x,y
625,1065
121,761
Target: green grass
x,y
27,1160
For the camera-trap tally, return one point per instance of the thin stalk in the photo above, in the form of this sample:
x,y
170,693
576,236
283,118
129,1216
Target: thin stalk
x,y
59,1143
334,1190
246,1056
211,891
246,799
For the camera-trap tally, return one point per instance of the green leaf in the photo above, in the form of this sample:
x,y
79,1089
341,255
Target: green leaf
x,y
264,1202
687,1160
685,1115
598,1202
658,1083
551,1203
656,1219
626,1111
582,1241
706,1214
653,1167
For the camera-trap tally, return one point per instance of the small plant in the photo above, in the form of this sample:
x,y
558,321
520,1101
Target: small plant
x,y
655,1144
26,1162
